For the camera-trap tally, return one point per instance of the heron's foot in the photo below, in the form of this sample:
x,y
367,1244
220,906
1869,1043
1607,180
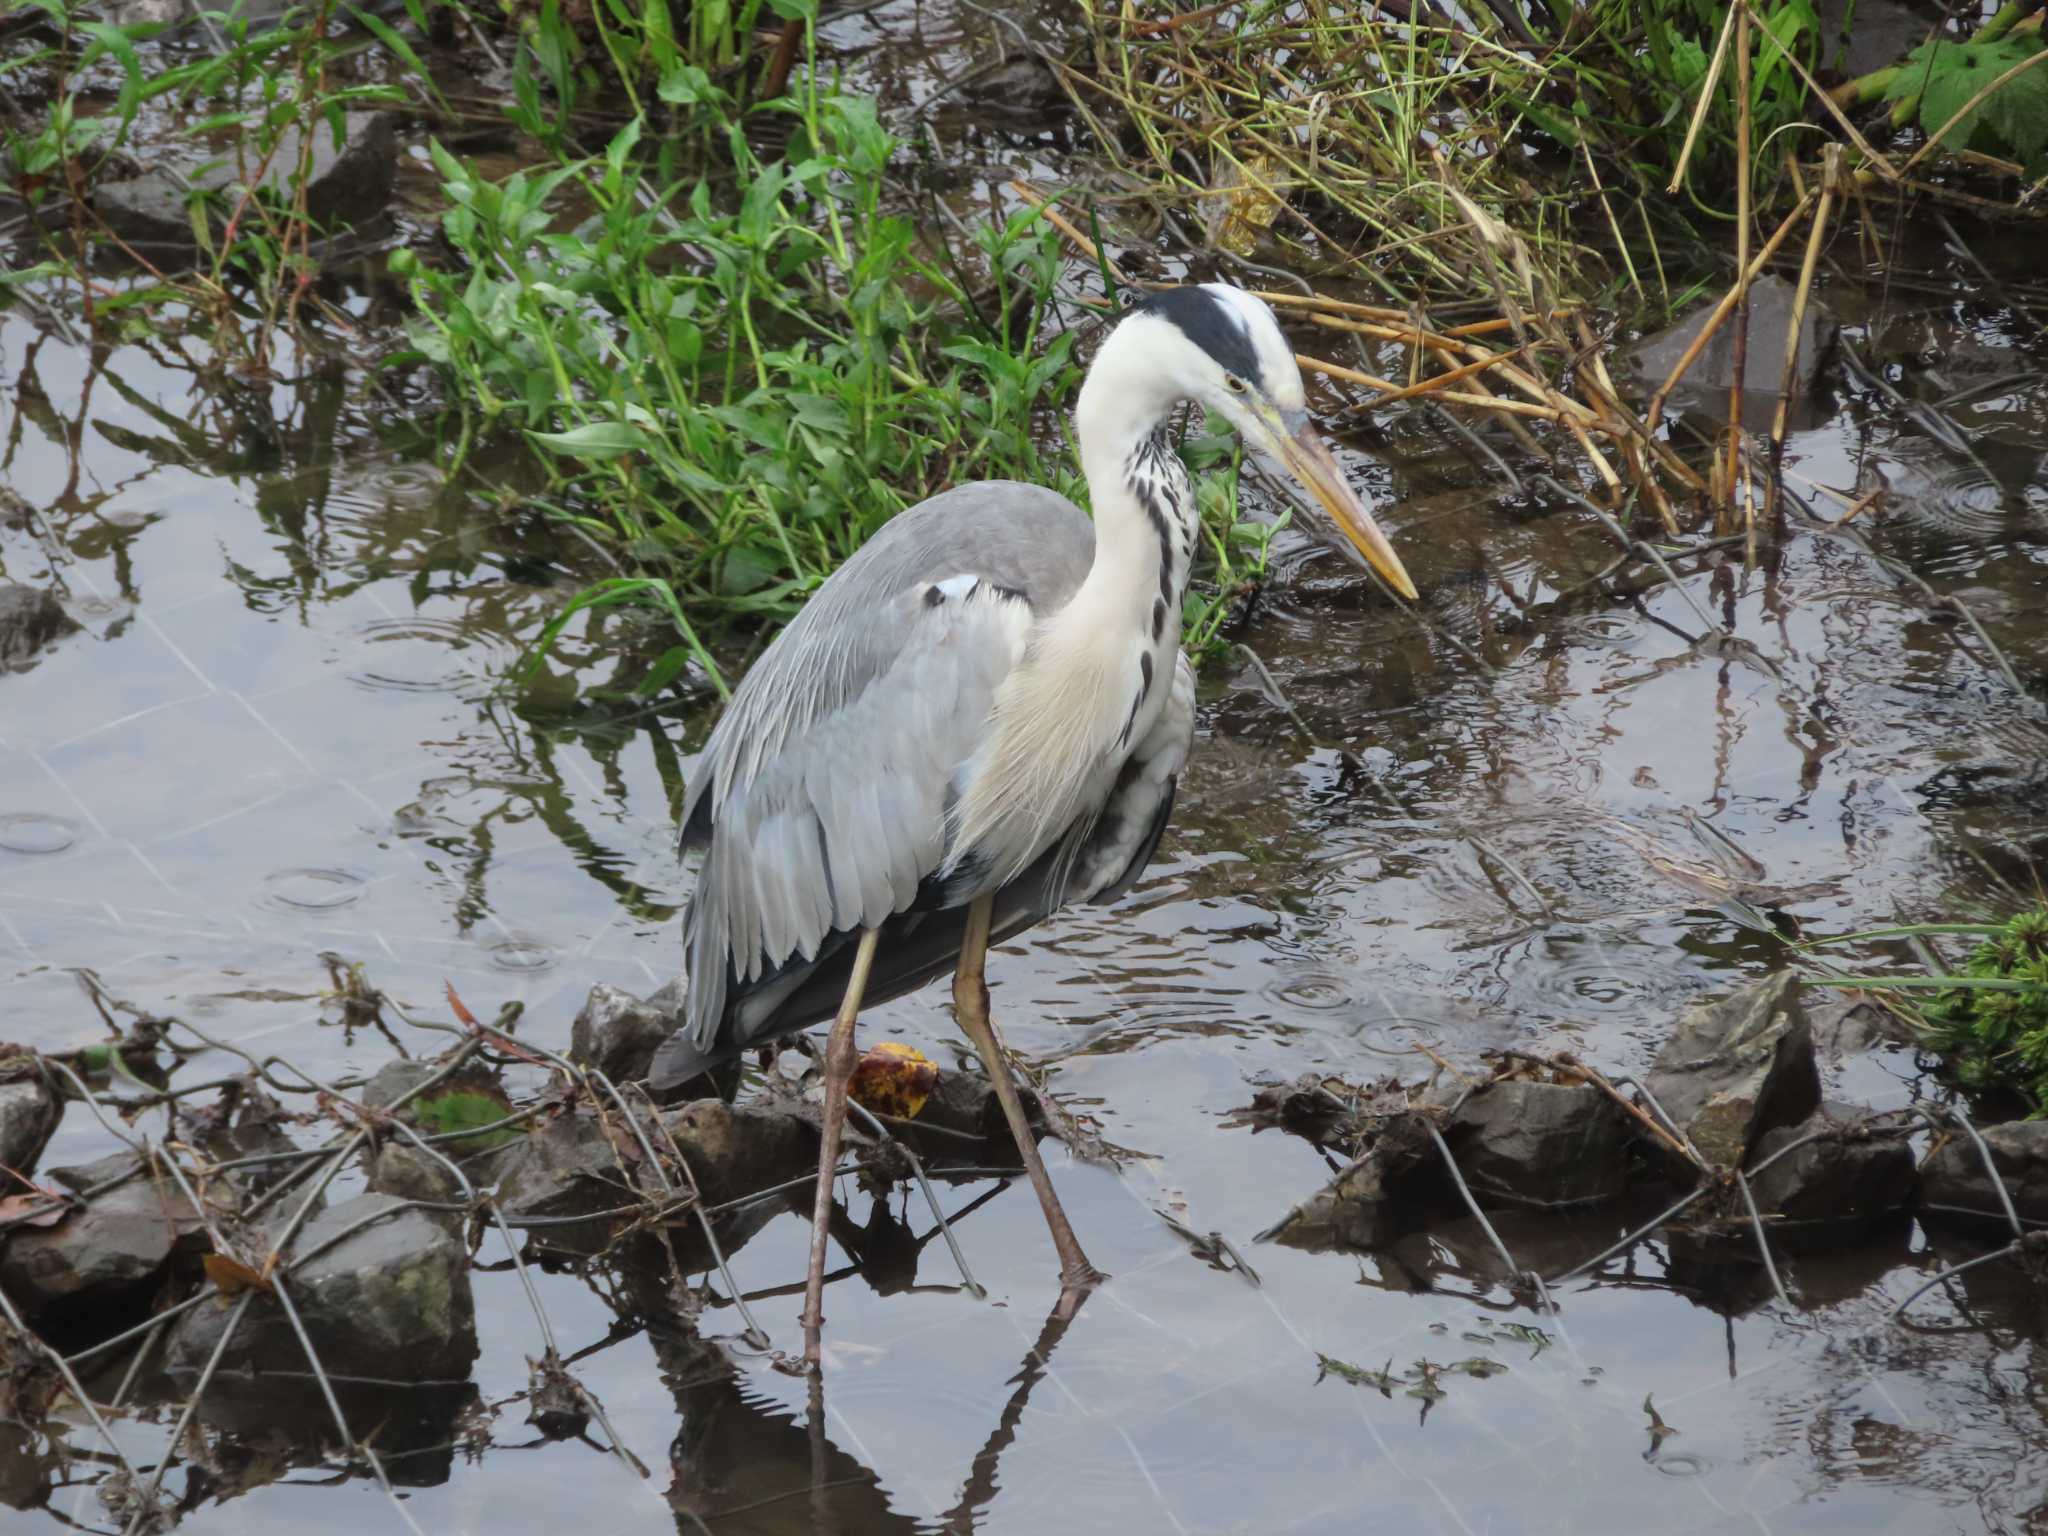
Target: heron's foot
x,y
1078,1275
1077,1284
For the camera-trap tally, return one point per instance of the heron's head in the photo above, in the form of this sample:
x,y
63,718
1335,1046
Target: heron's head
x,y
1224,349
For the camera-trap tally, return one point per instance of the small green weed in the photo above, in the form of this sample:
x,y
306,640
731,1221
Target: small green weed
x,y
1988,1019
733,390
1995,1037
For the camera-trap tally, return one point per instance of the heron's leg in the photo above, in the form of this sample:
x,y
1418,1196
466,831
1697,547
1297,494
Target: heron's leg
x,y
838,1071
970,1006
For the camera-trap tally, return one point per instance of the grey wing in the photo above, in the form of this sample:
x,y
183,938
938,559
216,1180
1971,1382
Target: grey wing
x,y
820,798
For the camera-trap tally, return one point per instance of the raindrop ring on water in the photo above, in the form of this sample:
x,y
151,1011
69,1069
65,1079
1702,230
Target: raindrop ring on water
x,y
516,952
312,890
420,655
34,832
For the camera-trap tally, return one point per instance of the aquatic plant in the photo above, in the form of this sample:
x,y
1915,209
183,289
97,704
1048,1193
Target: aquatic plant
x,y
1988,1018
1997,1037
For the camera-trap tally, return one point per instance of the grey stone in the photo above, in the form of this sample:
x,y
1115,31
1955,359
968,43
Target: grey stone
x,y
28,1118
617,1033
570,1166
1954,1183
1738,1067
30,618
403,1171
1706,382
566,1166
344,186
394,1080
1542,1143
118,1242
1842,1182
1370,1203
389,1301
734,1150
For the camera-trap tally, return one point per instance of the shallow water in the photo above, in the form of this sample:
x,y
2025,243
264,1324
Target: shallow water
x,y
280,736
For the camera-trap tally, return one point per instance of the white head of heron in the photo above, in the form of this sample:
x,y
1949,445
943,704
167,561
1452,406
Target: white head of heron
x,y
1224,349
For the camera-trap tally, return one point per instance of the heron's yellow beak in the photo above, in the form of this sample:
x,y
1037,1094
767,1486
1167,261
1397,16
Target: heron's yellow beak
x,y
1309,461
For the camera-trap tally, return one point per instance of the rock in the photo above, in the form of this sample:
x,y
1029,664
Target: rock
x,y
403,1171
1371,1202
30,618
348,185
396,1079
28,1118
616,1033
1705,386
1738,1067
735,1150
565,1166
1020,92
964,1103
120,1241
1955,1185
390,1300
1834,1187
571,1167
1542,1143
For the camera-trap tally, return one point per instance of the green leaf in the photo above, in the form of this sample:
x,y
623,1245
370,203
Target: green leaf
x,y
2012,119
384,34
458,1110
594,440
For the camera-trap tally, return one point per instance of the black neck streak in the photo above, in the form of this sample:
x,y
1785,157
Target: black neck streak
x,y
1159,483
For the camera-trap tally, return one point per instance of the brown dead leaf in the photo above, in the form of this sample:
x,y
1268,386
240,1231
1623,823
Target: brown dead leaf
x,y
460,1008
41,1207
893,1079
230,1276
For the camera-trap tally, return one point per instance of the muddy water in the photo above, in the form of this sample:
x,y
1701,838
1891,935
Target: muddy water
x,y
280,735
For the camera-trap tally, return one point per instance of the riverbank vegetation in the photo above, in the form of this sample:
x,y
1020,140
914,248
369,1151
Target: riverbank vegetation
x,y
705,295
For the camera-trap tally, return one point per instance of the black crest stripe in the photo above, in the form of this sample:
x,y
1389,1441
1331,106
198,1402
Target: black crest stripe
x,y
1210,323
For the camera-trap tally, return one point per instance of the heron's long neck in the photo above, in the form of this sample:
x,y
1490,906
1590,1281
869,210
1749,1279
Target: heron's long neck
x,y
1145,514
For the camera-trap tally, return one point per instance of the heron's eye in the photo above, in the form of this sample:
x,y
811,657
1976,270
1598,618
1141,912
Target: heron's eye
x,y
1233,383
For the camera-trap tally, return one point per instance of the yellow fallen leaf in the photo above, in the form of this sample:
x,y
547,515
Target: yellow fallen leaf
x,y
893,1079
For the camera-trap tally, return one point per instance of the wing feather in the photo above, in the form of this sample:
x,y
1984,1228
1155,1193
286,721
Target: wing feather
x,y
826,779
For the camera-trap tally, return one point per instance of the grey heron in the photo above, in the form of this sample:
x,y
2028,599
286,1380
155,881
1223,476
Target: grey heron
x,y
978,719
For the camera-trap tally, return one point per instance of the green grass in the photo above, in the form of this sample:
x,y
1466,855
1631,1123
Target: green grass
x,y
1988,1018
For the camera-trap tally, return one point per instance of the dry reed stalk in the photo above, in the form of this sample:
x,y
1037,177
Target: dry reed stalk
x,y
1591,371
1824,97
1441,380
1726,306
1521,408
1707,87
1740,363
1830,179
1537,391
